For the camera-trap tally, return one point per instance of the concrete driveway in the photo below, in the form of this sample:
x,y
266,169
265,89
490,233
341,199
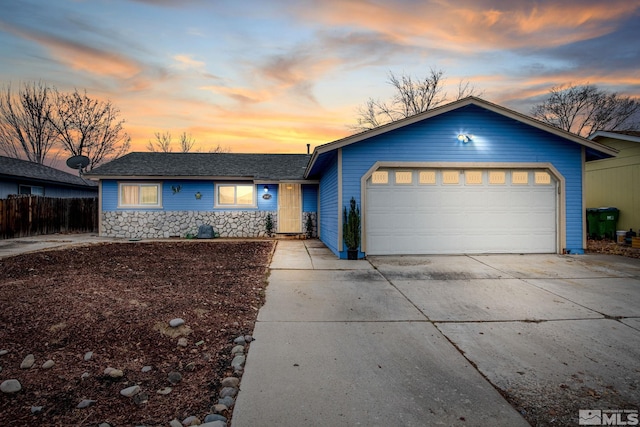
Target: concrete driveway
x,y
417,341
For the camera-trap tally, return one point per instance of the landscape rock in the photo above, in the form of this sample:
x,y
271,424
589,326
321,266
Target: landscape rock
x,y
248,338
174,323
10,386
130,391
85,403
174,377
104,425
85,375
113,373
230,382
36,409
214,417
239,349
182,342
240,341
227,401
146,368
175,423
165,390
48,364
88,355
238,362
28,362
219,408
141,398
3,352
228,392
214,424
191,421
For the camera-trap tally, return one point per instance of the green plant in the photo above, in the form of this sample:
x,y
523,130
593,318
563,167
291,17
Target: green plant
x,y
351,226
268,225
308,226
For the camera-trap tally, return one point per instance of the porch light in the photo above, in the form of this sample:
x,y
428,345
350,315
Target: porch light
x,y
465,138
266,188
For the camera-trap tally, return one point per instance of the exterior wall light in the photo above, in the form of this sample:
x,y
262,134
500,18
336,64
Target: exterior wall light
x,y
198,195
266,188
465,138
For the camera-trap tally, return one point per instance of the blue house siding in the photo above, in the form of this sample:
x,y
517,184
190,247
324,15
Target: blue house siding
x,y
309,198
496,139
328,208
8,187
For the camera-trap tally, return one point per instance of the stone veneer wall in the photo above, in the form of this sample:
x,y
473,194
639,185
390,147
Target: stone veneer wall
x,y
165,224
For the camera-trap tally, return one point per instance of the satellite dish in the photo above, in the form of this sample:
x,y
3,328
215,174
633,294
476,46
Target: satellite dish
x,y
78,162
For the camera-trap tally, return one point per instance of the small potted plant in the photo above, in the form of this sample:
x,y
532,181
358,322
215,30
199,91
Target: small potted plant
x,y
351,229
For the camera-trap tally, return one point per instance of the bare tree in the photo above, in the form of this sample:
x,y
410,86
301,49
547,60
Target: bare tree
x,y
25,128
584,109
412,96
89,127
162,143
186,142
220,149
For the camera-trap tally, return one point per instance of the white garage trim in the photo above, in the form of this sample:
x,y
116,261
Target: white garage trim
x,y
561,220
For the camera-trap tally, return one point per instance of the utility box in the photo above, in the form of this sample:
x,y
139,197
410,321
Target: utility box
x,y
602,222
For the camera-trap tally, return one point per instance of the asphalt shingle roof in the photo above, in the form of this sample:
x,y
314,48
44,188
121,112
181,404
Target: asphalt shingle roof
x,y
10,167
255,166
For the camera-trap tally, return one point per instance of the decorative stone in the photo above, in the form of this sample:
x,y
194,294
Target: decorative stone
x,y
230,382
219,408
104,425
165,390
214,424
88,355
227,401
182,342
191,421
174,323
239,349
28,362
228,392
238,362
48,364
3,352
146,368
10,386
130,391
175,423
214,417
85,403
141,398
113,373
239,341
36,409
205,232
174,377
248,338
85,376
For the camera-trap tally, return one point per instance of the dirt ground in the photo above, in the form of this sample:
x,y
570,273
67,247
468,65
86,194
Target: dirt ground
x,y
116,300
611,247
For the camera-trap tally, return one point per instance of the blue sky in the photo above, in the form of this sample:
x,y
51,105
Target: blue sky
x,y
274,75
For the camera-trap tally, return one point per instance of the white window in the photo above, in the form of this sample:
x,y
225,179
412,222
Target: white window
x,y
496,177
235,196
141,194
404,177
473,177
450,177
31,189
519,177
542,178
427,177
380,177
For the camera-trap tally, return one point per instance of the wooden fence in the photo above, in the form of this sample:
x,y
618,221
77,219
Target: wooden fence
x,y
35,215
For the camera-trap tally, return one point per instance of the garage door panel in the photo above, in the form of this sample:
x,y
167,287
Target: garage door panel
x,y
461,218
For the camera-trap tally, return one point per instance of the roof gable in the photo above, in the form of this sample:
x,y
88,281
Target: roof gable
x,y
595,149
18,168
205,165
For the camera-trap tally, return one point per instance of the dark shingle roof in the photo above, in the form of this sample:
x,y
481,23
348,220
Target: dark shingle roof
x,y
10,167
254,166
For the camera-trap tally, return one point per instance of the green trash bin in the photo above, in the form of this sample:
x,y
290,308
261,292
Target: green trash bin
x,y
602,222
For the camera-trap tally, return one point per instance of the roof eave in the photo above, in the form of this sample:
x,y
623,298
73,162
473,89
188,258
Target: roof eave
x,y
450,107
613,135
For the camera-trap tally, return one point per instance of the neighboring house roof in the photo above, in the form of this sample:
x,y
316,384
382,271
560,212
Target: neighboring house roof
x,y
594,149
17,168
625,135
269,167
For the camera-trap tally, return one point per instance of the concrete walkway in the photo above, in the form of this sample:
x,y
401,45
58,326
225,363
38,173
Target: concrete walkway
x,y
11,247
338,345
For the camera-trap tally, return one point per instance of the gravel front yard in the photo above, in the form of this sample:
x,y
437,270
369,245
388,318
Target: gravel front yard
x,y
116,300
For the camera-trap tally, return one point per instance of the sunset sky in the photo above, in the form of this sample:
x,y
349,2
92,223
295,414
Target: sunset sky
x,y
273,75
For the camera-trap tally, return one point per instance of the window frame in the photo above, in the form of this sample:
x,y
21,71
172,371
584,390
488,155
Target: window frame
x,y
139,205
235,205
31,187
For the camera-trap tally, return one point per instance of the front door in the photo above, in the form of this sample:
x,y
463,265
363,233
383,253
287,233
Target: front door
x,y
289,208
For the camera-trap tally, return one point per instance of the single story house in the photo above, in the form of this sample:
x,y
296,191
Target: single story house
x,y
22,177
615,182
466,177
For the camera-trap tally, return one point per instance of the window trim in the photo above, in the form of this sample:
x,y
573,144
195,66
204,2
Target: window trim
x,y
139,184
218,205
30,187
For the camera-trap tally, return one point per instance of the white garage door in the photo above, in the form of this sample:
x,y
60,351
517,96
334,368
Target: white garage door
x,y
453,211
